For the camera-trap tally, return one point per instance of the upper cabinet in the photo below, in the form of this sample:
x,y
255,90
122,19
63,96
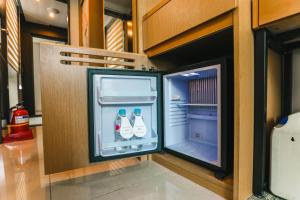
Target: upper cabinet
x,y
171,18
277,15
271,10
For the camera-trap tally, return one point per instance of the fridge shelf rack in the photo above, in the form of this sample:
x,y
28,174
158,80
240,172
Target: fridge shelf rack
x,y
198,105
203,117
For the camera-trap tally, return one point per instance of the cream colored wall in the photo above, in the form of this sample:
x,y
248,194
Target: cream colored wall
x,y
12,87
36,74
37,71
296,81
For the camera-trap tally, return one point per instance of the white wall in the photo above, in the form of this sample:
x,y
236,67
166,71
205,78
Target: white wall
x,y
12,87
296,81
36,72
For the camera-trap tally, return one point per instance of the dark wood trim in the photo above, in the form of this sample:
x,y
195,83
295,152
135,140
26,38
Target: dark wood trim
x,y
4,92
48,32
27,71
275,44
64,1
286,87
292,46
260,110
286,36
69,24
116,14
128,43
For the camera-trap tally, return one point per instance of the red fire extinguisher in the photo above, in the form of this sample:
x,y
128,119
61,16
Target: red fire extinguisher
x,y
18,128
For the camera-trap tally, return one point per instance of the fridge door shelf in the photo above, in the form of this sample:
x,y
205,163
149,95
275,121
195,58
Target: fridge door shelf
x,y
142,141
108,149
120,97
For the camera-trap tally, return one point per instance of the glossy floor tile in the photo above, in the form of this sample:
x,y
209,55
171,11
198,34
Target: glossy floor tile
x,y
146,180
22,178
21,171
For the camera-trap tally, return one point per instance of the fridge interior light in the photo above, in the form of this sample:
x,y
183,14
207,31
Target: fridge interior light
x,y
190,74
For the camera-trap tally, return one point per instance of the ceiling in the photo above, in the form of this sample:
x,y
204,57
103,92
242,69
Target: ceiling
x,y
123,7
36,11
120,6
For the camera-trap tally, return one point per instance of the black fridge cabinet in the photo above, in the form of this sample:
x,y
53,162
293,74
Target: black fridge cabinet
x,y
188,113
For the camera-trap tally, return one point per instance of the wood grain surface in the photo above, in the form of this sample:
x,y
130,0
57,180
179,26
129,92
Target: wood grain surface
x,y
178,16
64,102
213,26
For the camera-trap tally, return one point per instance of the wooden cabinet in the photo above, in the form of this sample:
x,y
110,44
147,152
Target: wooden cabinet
x,y
173,17
272,10
277,15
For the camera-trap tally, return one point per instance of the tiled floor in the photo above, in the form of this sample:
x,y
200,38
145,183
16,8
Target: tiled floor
x,y
21,171
146,180
265,196
21,178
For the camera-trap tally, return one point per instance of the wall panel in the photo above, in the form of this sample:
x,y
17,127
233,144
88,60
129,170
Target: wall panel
x,y
296,81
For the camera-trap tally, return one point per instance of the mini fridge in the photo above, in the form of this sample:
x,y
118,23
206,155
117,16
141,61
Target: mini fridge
x,y
188,113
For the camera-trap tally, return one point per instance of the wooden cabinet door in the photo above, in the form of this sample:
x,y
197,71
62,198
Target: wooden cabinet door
x,y
174,17
272,10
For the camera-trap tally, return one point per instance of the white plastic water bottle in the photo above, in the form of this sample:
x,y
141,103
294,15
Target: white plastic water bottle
x,y
139,129
123,130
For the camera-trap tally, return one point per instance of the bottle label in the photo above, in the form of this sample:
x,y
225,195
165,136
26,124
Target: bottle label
x,y
139,128
126,128
22,119
117,127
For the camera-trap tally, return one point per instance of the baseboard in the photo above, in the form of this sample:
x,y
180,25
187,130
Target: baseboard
x,y
3,123
35,121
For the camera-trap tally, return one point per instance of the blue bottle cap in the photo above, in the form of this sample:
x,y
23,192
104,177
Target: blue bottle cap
x,y
284,120
122,112
137,111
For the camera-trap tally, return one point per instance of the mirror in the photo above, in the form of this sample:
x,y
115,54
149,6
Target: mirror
x,y
118,25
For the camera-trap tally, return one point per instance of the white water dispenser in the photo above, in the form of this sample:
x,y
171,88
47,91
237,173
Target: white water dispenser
x,y
285,158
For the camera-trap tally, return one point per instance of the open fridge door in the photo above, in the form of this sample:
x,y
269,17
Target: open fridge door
x,y
123,113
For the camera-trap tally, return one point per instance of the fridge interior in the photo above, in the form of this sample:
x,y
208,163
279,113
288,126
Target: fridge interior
x,y
192,113
115,92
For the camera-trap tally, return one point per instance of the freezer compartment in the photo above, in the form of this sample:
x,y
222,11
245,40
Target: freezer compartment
x,y
192,113
115,92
